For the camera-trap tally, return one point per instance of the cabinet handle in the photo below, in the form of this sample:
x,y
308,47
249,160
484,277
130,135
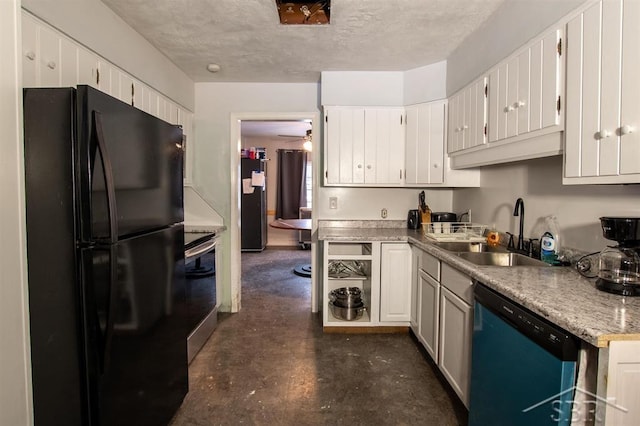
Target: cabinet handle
x,y
603,134
359,166
519,104
435,165
465,127
30,55
369,166
508,108
626,129
51,65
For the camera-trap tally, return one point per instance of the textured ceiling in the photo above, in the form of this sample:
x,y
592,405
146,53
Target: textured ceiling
x,y
247,40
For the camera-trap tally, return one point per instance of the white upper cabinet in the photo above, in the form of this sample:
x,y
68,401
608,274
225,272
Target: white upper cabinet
x,y
603,112
468,117
426,162
525,91
524,107
364,146
424,149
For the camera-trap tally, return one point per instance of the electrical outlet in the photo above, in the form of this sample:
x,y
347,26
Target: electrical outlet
x,y
383,213
333,202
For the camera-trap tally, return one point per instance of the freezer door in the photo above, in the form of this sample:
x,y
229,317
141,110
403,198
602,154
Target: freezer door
x,y
136,326
129,169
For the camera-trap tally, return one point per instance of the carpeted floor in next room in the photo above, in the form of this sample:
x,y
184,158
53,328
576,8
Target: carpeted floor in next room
x,y
271,364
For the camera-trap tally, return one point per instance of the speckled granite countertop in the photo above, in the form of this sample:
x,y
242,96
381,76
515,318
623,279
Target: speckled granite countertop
x,y
204,229
559,294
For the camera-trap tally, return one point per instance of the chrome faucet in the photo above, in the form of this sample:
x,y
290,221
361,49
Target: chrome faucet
x,y
520,205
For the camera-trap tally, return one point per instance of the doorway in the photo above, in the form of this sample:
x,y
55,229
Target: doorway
x,y
237,144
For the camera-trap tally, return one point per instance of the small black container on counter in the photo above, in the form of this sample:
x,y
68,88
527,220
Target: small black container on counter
x,y
413,219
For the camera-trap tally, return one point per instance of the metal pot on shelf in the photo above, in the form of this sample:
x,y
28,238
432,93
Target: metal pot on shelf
x,y
346,303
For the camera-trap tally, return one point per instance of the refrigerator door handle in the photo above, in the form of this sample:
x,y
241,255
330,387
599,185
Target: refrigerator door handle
x,y
108,176
108,333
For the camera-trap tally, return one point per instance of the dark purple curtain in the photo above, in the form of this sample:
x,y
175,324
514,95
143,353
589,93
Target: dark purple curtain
x,y
291,191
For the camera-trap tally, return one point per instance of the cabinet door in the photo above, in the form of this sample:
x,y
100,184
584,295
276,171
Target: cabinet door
x,y
511,104
87,68
415,256
395,282
429,293
29,51
384,145
623,375
49,64
456,114
68,63
456,326
630,107
344,145
108,79
602,94
424,150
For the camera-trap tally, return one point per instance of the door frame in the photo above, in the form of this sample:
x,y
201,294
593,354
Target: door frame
x,y
234,222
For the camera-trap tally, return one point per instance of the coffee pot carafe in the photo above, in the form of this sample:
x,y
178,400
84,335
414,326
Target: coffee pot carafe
x,y
619,266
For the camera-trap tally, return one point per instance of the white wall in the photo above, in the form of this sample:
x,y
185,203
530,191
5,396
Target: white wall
x,y
539,183
15,367
362,88
425,84
512,25
216,164
366,203
97,27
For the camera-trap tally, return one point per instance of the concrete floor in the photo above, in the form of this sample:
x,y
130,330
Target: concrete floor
x,y
271,364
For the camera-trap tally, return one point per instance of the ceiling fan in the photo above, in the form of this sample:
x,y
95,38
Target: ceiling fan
x,y
306,138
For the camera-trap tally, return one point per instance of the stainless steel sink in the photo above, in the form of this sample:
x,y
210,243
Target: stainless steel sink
x,y
500,259
463,246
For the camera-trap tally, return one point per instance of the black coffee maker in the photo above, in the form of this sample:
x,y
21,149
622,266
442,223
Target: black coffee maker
x,y
619,266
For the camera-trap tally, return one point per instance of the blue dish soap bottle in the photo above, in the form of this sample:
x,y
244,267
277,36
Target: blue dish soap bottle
x,y
550,241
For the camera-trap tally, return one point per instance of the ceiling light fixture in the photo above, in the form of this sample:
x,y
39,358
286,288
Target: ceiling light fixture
x,y
213,67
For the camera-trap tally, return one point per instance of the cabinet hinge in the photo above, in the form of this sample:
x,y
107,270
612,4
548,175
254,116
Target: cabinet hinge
x,y
400,174
485,130
558,104
560,47
326,174
401,120
98,77
486,90
133,95
326,118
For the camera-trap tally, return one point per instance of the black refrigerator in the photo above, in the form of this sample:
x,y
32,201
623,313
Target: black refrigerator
x,y
105,251
253,207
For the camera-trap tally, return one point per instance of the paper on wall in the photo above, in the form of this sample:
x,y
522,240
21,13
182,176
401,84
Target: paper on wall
x,y
247,188
257,178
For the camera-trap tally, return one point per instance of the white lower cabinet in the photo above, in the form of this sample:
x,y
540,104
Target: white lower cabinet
x,y
456,325
382,271
395,282
445,319
429,293
456,328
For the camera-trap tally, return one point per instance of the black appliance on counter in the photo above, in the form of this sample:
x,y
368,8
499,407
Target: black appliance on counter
x,y
413,219
105,248
253,210
619,266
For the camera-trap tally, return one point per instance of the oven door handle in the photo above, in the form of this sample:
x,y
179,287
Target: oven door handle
x,y
199,249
